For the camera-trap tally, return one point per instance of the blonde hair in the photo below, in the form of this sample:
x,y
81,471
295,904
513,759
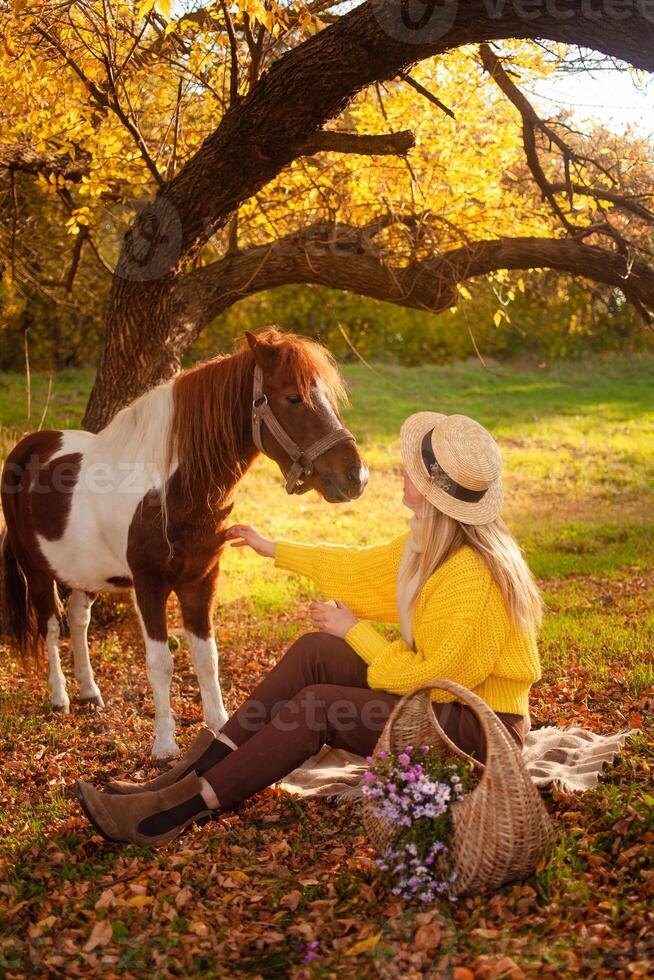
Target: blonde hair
x,y
440,536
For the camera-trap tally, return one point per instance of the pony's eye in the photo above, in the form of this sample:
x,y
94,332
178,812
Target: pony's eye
x,y
294,399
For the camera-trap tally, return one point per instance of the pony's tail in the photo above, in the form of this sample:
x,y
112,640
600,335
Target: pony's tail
x,y
19,620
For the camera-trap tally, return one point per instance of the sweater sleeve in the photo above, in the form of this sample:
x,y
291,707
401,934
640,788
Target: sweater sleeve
x,y
452,616
363,578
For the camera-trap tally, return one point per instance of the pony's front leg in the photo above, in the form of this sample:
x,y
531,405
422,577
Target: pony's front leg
x,y
79,617
196,603
205,660
151,597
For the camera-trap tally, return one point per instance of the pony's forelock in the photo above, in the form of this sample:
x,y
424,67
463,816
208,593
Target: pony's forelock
x,y
303,361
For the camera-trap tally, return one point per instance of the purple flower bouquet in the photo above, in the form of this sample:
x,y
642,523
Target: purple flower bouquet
x,y
413,792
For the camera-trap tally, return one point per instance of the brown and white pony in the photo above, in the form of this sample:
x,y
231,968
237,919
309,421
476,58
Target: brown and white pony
x,y
144,505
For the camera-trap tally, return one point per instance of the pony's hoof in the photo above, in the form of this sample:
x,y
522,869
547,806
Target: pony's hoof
x,y
95,700
61,709
162,754
215,724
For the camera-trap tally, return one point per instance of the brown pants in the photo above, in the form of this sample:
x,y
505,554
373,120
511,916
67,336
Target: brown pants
x,y
318,694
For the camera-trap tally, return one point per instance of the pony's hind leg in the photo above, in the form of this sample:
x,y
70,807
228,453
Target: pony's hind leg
x,y
56,679
151,597
79,617
196,602
42,605
45,600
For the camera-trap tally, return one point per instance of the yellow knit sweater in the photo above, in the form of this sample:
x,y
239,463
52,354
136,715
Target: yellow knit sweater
x,y
461,627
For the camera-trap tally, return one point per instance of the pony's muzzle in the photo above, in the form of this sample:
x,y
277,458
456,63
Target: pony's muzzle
x,y
358,476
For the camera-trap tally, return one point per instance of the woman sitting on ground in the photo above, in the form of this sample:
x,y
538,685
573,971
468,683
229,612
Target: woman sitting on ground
x,y
468,610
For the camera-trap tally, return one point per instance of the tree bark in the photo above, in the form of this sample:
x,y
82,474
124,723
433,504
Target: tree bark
x,y
386,144
23,157
147,331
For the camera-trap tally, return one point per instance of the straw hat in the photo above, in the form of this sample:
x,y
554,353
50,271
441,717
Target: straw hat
x,y
455,463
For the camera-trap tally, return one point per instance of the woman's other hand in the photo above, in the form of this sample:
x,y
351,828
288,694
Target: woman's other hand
x,y
332,617
246,536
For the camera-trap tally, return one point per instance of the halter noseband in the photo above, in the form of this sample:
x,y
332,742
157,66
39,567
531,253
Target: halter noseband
x,y
303,459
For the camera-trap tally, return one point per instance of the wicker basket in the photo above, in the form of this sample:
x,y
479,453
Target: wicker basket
x,y
501,828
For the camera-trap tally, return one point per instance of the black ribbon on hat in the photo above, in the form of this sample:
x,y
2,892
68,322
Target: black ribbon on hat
x,y
443,480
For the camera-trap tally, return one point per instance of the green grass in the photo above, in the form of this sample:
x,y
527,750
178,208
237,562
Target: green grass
x,y
64,407
578,446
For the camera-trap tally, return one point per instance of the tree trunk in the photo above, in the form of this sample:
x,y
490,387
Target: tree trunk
x,y
139,350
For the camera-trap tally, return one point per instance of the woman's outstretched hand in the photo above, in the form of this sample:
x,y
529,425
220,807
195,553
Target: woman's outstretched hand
x,y
332,617
246,536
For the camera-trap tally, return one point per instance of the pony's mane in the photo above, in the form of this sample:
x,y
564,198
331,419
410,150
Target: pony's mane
x,y
212,407
140,434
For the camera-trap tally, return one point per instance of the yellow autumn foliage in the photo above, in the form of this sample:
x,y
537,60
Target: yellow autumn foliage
x,y
129,91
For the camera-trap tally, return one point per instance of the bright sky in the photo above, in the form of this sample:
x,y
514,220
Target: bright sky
x,y
614,98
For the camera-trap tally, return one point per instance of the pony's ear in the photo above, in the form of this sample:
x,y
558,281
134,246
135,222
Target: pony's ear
x,y
264,354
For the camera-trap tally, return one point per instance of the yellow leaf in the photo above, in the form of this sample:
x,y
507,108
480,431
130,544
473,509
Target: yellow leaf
x,y
138,901
238,875
464,291
199,928
164,7
497,319
144,8
363,945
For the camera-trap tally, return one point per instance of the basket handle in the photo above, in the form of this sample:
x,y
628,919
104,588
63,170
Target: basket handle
x,y
495,734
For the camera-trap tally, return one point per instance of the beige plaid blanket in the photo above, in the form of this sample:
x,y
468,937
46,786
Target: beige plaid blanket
x,y
571,759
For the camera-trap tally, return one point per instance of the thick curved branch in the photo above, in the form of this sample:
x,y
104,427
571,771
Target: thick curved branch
x,y
24,158
345,258
386,144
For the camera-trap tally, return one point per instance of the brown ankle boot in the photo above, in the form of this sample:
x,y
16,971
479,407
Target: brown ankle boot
x,y
205,751
148,819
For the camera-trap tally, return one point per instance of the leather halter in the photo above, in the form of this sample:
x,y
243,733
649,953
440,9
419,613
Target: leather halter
x,y
303,459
